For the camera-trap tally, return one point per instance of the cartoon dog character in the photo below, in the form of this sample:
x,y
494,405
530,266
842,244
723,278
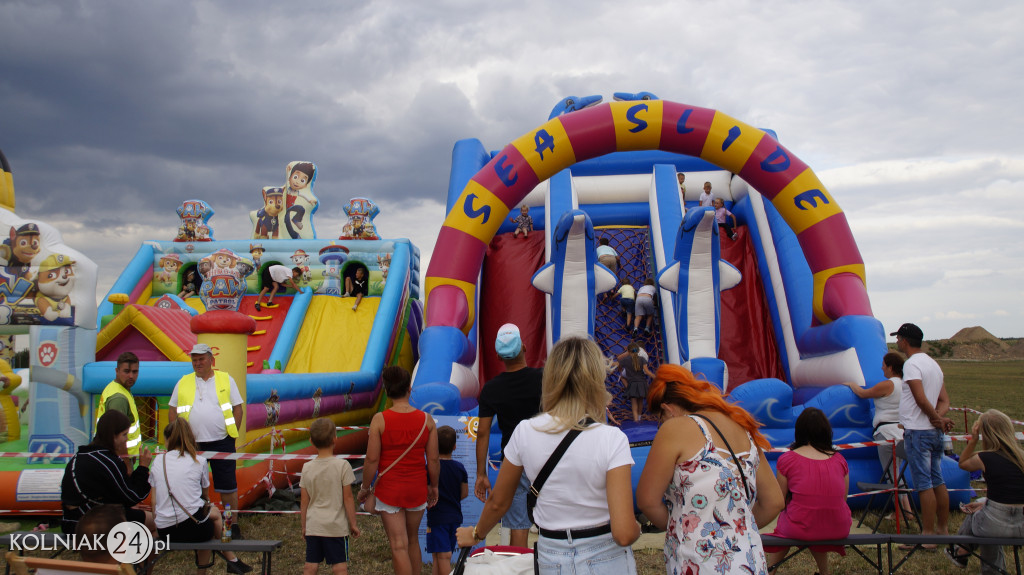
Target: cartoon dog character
x,y
256,251
18,250
301,260
170,263
56,281
224,261
385,264
268,225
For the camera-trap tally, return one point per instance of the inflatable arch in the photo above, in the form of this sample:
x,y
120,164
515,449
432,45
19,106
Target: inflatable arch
x,y
778,174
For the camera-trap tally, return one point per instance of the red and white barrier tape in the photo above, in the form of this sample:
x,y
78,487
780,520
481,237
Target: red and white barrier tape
x,y
206,454
976,412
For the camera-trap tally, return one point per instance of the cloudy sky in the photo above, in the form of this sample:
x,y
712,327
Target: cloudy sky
x,y
112,113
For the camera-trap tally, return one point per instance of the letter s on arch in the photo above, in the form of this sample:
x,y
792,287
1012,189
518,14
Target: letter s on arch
x,y
639,125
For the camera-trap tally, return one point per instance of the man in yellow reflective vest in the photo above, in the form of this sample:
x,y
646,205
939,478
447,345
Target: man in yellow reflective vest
x,y
118,396
210,401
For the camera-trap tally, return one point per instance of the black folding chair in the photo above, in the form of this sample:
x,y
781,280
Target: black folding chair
x,y
892,488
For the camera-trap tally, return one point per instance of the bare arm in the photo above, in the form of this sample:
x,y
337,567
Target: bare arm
x,y
303,506
372,455
496,505
625,529
969,460
483,438
236,412
942,405
433,462
657,474
464,492
879,390
172,414
350,511
770,500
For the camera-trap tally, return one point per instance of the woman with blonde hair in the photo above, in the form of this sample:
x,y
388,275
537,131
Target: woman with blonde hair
x,y
706,480
1001,462
584,507
181,504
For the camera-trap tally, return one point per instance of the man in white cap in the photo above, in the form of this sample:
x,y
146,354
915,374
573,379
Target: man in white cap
x,y
512,396
209,400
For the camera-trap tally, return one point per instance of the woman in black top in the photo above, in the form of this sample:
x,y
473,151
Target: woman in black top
x,y
1001,462
98,475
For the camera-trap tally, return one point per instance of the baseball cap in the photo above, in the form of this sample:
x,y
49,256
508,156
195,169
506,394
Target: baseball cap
x,y
508,344
909,331
200,348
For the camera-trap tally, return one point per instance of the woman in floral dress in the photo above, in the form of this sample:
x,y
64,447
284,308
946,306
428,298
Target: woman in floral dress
x,y
692,487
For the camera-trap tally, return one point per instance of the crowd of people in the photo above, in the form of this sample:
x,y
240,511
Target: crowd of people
x,y
706,480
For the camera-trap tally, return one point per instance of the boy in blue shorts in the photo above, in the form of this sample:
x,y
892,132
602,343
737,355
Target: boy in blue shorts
x,y
446,516
328,507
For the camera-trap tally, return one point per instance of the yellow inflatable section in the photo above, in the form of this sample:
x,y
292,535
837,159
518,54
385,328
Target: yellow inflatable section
x,y
333,337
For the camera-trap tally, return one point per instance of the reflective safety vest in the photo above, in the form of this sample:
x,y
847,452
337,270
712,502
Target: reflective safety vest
x,y
187,394
134,433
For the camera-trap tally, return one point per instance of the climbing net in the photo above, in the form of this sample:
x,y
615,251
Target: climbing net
x,y
635,265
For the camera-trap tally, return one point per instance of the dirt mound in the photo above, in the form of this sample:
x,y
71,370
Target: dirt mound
x,y
977,334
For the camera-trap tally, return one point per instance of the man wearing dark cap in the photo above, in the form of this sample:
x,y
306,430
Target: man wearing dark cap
x,y
512,396
923,407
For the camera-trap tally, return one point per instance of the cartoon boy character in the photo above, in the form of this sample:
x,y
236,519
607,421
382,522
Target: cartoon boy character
x,y
298,182
56,281
256,251
170,264
267,223
18,250
301,260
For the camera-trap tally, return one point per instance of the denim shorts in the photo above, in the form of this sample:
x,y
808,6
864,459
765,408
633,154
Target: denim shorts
x,y
924,454
599,555
628,305
516,517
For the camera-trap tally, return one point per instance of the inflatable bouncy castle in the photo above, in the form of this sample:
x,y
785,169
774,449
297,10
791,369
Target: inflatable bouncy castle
x,y
309,354
778,315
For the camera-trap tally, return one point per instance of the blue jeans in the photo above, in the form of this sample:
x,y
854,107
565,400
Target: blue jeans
x,y
994,520
516,516
599,555
924,453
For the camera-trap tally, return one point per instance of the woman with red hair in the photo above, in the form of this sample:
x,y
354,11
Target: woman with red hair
x,y
706,480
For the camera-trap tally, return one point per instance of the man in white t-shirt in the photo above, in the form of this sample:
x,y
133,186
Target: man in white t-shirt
x,y
210,401
273,277
923,406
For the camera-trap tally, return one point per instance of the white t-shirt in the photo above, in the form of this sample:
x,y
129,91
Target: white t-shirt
x,y
575,495
705,199
919,366
206,417
606,251
648,290
187,479
888,408
280,274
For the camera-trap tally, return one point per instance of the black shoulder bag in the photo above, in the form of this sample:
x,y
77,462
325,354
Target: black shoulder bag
x,y
736,460
549,466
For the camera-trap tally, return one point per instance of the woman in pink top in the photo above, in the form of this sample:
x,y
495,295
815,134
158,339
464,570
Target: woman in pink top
x,y
815,480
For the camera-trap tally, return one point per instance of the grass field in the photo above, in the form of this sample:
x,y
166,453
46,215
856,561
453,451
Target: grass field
x,y
975,384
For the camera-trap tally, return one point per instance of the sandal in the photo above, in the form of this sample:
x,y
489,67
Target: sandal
x,y
911,547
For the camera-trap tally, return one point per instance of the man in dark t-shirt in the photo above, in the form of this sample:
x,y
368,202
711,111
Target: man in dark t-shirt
x,y
512,396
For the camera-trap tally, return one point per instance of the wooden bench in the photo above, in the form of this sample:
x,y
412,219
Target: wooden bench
x,y
48,540
877,540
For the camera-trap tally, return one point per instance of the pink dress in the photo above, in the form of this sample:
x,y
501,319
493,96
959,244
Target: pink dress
x,y
817,509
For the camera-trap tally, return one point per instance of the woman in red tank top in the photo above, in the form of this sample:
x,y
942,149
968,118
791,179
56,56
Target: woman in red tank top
x,y
402,444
